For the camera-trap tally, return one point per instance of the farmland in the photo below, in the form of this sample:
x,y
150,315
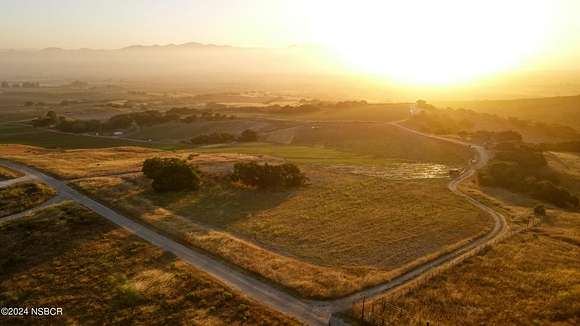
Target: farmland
x,y
26,135
100,273
287,236
360,174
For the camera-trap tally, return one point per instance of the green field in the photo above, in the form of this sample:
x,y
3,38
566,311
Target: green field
x,y
26,135
297,154
382,141
185,131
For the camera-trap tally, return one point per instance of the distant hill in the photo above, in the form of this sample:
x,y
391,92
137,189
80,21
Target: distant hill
x,y
563,109
190,45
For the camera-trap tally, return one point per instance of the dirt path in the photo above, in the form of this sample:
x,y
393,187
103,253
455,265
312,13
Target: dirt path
x,y
311,312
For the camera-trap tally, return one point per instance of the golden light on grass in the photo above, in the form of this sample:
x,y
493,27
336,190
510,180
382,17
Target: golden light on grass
x,y
433,42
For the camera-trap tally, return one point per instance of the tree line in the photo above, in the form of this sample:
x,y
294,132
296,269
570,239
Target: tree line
x,y
125,120
522,168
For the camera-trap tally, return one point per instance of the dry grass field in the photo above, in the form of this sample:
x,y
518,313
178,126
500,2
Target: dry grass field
x,y
567,165
102,275
82,163
6,174
302,239
20,197
532,278
341,233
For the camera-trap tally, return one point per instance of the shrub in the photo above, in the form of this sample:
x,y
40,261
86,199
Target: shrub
x,y
540,210
524,157
535,182
547,191
268,176
171,174
248,135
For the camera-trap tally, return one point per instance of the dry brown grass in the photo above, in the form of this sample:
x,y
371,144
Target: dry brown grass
x,y
6,173
340,234
22,196
567,166
83,163
101,275
532,278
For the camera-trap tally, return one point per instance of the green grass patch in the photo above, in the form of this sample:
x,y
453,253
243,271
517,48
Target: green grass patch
x,y
298,154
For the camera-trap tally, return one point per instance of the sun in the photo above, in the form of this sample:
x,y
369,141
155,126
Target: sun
x,y
431,42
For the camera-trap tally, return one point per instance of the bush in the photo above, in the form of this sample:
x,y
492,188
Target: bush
x,y
248,135
268,176
511,176
171,174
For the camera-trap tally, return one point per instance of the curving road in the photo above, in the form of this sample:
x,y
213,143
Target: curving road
x,y
312,312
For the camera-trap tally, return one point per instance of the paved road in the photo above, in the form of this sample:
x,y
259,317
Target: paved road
x,y
311,312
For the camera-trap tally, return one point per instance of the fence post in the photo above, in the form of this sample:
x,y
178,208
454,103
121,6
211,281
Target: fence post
x,y
362,314
372,319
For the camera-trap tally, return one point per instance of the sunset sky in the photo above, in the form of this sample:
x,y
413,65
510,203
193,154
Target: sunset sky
x,y
438,40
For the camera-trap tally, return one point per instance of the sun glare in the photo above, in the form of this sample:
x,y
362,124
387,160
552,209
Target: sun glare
x,y
432,42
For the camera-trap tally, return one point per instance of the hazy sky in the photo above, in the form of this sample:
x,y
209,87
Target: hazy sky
x,y
463,38
117,23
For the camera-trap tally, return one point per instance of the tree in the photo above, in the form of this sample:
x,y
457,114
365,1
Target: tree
x,y
268,176
248,135
171,174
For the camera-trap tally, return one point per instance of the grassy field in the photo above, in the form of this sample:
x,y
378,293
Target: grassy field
x,y
185,131
6,174
567,166
382,141
79,163
100,274
298,154
538,272
82,163
347,191
20,197
27,135
341,233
